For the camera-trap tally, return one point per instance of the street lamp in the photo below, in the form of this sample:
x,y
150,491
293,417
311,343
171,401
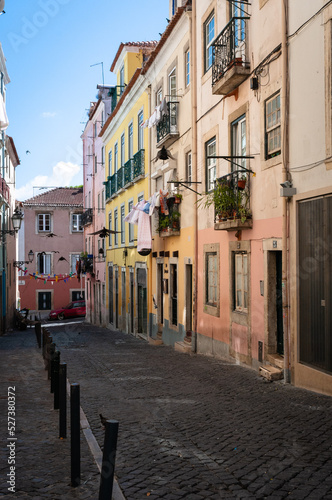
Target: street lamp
x,y
17,218
19,263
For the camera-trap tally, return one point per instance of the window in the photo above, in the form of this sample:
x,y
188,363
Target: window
x,y
130,141
96,166
187,66
208,39
241,282
239,15
239,141
74,257
140,130
98,203
103,156
115,157
122,225
110,227
188,169
76,222
122,150
131,226
273,127
159,97
211,289
77,295
173,7
211,280
103,199
110,162
172,84
44,301
95,129
122,83
116,227
44,222
44,263
210,150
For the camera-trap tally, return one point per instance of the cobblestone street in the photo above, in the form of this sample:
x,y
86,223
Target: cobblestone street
x,y
190,426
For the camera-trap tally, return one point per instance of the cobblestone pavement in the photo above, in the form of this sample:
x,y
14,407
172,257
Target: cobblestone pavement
x,y
42,460
196,427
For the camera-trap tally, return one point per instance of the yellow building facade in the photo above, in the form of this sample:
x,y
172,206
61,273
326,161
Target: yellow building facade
x,y
127,159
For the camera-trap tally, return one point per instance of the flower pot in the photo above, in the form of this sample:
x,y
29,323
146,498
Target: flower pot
x,y
241,183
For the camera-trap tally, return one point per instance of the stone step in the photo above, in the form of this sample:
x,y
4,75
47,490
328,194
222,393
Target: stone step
x,y
183,347
153,341
270,372
276,360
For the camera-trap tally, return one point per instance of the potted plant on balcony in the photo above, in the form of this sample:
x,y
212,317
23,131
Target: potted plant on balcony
x,y
175,220
178,198
163,223
241,183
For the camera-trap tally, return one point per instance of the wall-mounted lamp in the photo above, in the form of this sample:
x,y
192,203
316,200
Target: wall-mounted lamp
x,y
17,218
19,263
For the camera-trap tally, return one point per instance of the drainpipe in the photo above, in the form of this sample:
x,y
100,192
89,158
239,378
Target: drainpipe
x,y
149,259
193,68
285,200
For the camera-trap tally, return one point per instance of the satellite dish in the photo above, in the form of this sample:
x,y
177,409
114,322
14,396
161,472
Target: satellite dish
x,y
2,5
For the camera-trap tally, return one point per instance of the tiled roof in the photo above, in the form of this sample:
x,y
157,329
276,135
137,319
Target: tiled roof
x,y
62,197
143,45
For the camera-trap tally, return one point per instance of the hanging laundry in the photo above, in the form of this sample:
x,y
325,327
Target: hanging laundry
x,y
144,238
163,107
163,202
132,217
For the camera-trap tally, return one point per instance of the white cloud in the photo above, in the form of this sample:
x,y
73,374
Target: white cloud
x,y
63,174
48,114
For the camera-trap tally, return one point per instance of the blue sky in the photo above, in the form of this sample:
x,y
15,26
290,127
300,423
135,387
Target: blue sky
x,y
49,46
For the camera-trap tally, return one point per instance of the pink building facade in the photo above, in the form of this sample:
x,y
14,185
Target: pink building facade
x,y
52,229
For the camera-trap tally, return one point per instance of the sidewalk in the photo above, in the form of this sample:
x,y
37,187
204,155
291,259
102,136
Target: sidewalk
x,y
40,458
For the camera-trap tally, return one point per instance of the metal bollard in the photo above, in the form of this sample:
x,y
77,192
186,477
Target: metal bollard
x,y
108,464
56,376
38,333
63,400
75,434
51,351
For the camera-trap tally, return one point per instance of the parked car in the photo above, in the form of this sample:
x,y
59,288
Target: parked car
x,y
72,310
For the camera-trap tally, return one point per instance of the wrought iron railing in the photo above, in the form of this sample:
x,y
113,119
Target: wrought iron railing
x,y
230,48
130,171
120,178
169,121
138,164
231,196
87,217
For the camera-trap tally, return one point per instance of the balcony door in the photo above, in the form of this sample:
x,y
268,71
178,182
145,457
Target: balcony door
x,y
172,99
239,15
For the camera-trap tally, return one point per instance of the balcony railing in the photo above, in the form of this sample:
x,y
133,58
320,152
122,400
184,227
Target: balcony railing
x,y
167,128
127,174
231,64
139,161
169,225
231,199
87,217
4,190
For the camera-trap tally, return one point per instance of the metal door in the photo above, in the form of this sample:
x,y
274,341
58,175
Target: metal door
x,y
315,294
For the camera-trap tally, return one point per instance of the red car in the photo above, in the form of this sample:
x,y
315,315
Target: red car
x,y
73,310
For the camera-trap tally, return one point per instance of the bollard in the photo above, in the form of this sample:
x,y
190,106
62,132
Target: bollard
x,y
38,333
75,434
108,464
56,375
63,400
48,354
51,351
53,361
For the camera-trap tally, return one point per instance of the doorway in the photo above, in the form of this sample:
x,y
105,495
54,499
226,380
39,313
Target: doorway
x,y
274,303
